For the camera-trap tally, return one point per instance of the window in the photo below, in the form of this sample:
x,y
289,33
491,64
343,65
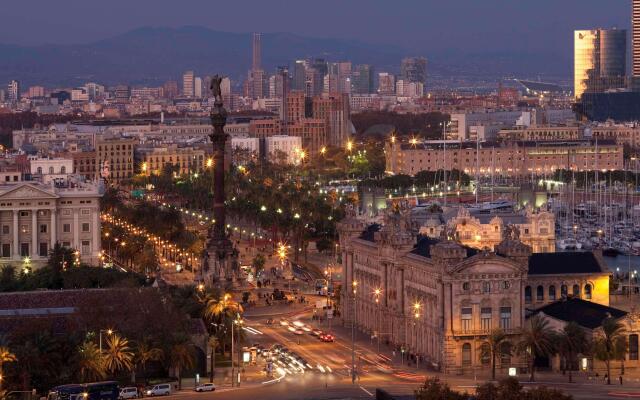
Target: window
x,y
43,228
86,247
576,290
50,170
633,347
527,294
505,354
466,286
505,317
85,227
63,170
24,249
465,315
66,244
539,293
486,287
44,250
485,318
5,229
24,213
485,354
66,228
552,292
587,291
39,170
505,285
564,291
6,250
466,355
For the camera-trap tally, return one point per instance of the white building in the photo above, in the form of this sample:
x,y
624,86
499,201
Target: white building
x,y
79,94
35,216
13,91
51,168
246,143
409,89
283,149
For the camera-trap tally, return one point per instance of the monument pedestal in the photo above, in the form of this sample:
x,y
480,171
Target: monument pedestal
x,y
221,263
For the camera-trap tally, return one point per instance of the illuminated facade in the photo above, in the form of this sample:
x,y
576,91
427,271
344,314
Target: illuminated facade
x,y
599,60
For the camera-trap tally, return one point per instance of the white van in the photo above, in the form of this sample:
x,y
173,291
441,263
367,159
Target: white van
x,y
163,389
129,392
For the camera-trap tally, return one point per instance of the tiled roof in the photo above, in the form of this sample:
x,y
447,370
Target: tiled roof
x,y
584,313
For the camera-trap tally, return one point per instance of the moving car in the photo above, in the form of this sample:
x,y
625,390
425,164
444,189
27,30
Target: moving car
x,y
129,392
327,337
163,389
317,332
298,332
206,387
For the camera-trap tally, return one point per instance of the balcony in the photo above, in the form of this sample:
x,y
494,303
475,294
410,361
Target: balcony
x,y
484,332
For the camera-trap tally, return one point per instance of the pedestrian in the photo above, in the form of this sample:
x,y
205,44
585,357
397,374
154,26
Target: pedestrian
x,y
605,377
620,377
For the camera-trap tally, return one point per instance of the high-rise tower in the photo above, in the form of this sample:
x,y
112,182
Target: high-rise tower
x,y
599,60
257,52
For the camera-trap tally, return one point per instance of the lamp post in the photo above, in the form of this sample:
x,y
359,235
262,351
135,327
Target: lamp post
x,y
379,322
108,332
354,286
416,315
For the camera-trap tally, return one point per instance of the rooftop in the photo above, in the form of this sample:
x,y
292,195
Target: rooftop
x,y
565,263
585,313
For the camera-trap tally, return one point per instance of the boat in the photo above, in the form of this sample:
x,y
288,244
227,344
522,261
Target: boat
x,y
569,244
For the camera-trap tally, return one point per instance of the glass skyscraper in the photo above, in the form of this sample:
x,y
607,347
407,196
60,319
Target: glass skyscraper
x,y
599,60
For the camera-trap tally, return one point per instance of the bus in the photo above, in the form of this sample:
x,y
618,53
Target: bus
x,y
107,390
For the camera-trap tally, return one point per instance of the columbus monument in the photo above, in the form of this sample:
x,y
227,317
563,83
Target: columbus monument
x,y
220,259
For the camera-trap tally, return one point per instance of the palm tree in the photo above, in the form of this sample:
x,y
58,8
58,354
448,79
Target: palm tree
x,y
213,345
216,308
118,355
572,341
494,347
606,341
181,357
6,356
144,353
537,341
91,365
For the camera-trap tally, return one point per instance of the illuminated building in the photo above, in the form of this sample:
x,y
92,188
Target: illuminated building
x,y
599,60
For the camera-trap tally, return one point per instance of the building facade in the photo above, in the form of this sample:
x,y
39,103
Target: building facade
x,y
599,60
34,217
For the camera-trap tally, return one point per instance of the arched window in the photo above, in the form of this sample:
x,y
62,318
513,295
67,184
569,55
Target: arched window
x,y
505,317
63,170
539,293
485,354
587,291
527,294
466,354
39,170
552,292
505,354
50,170
576,290
633,347
564,290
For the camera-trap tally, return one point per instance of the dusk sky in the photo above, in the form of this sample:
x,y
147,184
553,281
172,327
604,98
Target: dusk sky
x,y
419,25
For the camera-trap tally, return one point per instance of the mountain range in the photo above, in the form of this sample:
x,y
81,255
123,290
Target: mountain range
x,y
153,55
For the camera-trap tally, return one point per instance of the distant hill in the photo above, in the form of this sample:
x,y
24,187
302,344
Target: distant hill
x,y
152,56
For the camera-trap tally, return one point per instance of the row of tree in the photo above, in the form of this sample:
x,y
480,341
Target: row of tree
x,y
506,389
539,340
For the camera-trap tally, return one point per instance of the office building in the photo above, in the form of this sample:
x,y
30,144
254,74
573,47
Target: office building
x,y
188,84
299,75
386,84
35,91
599,60
13,91
170,89
362,79
414,69
635,40
335,110
256,59
197,87
281,149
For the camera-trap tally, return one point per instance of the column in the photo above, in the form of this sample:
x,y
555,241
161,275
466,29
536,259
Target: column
x,y
16,238
76,230
54,228
34,233
95,229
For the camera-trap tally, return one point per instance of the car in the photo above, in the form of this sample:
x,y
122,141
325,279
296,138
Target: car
x,y
269,321
284,322
205,387
298,332
163,389
306,328
129,392
327,337
317,332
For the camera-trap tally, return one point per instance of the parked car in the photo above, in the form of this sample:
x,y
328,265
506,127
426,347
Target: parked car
x,y
206,387
129,392
163,389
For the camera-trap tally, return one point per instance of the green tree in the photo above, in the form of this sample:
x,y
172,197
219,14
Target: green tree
x,y
258,263
145,352
118,355
90,362
494,348
572,341
605,343
537,341
433,389
181,357
6,356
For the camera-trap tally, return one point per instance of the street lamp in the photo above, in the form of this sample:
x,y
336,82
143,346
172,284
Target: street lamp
x,y
377,293
236,322
108,332
416,315
354,286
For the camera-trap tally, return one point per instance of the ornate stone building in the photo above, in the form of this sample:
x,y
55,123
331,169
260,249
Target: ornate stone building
x,y
439,299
